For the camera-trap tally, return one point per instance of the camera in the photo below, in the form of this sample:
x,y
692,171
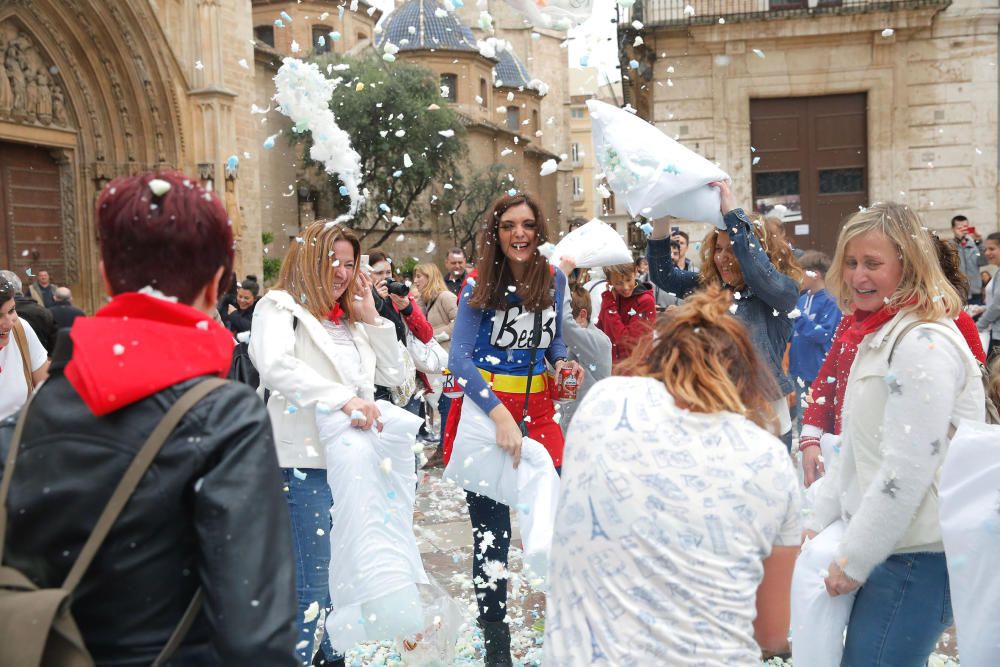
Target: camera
x,y
396,287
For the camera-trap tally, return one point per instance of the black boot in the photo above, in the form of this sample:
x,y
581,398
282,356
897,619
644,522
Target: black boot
x,y
496,637
320,660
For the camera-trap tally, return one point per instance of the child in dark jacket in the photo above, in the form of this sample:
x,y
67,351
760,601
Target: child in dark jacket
x,y
628,310
817,321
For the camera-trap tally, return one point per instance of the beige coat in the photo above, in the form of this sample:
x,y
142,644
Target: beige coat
x,y
441,316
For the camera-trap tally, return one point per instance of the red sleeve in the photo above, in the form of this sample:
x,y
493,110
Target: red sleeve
x,y
417,322
821,411
967,326
625,336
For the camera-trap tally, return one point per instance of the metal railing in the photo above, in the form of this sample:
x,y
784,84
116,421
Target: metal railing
x,y
654,13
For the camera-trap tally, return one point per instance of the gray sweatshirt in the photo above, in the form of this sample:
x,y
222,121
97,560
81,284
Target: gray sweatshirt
x,y
990,319
589,347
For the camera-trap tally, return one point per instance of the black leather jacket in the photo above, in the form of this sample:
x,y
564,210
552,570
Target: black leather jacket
x,y
210,511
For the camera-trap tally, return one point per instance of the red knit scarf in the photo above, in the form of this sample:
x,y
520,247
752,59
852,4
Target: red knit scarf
x,y
837,366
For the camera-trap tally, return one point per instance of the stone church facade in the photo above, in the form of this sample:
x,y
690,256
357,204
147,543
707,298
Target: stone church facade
x,y
826,105
94,89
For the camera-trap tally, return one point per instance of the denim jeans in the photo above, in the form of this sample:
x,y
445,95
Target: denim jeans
x,y
899,613
309,504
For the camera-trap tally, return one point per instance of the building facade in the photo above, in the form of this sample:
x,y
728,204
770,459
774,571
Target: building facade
x,y
826,106
286,192
587,185
501,114
94,89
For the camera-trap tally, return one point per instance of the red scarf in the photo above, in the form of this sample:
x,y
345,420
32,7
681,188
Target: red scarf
x,y
830,385
335,314
138,345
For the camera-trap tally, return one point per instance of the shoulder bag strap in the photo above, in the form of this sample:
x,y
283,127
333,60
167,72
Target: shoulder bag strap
x,y
22,347
907,329
8,470
134,474
177,636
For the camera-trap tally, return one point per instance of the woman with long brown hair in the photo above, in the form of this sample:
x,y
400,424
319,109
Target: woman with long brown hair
x,y
760,271
678,512
318,343
509,325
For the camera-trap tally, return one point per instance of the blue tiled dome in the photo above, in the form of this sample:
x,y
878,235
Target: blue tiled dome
x,y
510,71
429,31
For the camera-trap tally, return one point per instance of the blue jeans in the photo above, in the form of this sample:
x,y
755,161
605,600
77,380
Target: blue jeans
x,y
899,613
309,504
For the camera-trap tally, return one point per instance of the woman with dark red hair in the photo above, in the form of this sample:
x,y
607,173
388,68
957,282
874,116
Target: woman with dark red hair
x,y
208,517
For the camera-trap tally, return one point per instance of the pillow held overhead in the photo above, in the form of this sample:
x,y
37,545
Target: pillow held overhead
x,y
655,175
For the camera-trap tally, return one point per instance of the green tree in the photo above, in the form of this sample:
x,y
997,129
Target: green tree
x,y
392,111
272,265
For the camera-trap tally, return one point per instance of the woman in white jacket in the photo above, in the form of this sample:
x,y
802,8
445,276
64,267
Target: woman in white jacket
x,y
912,380
319,345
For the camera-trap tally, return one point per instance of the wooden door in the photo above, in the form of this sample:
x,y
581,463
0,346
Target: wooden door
x,y
31,236
814,160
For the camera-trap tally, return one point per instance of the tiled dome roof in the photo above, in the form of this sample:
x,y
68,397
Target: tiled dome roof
x,y
429,31
510,71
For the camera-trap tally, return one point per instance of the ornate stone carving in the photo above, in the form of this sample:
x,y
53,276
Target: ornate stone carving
x,y
67,204
30,91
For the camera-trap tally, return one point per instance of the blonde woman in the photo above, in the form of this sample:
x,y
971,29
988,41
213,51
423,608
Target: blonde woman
x,y
319,344
440,305
437,301
911,380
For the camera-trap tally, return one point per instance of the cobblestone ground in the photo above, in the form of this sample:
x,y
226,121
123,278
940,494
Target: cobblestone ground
x,y
444,534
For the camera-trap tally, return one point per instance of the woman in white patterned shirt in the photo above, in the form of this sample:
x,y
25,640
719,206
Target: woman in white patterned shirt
x,y
676,504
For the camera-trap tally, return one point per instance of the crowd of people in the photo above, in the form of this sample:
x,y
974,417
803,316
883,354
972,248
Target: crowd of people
x,y
680,515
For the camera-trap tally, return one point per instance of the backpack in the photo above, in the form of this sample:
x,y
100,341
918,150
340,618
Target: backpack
x,y
37,628
992,414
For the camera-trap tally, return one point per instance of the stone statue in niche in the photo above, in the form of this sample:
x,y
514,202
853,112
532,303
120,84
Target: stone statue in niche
x,y
44,107
31,93
29,89
58,106
18,84
6,94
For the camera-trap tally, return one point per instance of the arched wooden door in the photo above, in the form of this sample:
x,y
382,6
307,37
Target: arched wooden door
x,y
30,212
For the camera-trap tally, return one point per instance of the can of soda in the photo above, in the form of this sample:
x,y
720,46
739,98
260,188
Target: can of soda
x,y
567,385
451,388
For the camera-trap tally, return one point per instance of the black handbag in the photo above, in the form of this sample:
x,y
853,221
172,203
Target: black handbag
x,y
242,369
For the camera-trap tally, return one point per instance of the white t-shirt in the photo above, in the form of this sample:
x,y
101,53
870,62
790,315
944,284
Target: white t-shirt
x,y
13,388
347,349
664,519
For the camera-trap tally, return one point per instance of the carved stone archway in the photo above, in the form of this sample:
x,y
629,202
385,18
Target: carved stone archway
x,y
96,82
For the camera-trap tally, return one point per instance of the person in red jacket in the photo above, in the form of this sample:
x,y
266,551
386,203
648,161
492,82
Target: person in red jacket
x,y
628,310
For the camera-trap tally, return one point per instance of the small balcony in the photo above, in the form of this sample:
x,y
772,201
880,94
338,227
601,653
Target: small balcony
x,y
667,13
